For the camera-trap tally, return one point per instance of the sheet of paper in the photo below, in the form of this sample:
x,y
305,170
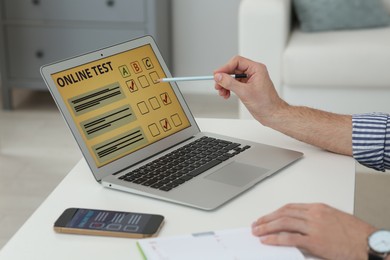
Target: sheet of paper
x,y
237,244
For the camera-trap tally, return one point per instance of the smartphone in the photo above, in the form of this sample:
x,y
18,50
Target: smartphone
x,y
108,223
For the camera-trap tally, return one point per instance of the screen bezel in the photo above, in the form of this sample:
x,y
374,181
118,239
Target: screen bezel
x,y
140,155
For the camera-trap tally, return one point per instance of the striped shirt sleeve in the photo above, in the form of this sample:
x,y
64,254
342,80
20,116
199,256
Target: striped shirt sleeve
x,y
371,140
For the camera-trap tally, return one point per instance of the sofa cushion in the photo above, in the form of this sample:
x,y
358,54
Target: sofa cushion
x,y
323,15
356,58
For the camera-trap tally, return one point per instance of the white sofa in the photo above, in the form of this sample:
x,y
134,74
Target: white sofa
x,y
339,71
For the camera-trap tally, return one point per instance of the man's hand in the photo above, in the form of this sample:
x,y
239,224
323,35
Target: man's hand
x,y
257,91
317,229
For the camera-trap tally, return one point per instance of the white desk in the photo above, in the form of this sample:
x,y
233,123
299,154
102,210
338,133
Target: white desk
x,y
318,177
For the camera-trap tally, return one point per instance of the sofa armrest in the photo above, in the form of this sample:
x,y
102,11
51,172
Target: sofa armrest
x,y
263,30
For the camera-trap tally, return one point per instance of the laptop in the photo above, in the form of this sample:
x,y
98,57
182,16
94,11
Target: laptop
x,y
138,134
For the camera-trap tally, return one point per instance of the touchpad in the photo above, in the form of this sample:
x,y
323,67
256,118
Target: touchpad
x,y
237,174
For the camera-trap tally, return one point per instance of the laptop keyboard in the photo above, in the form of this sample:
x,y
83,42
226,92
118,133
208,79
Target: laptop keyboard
x,y
183,164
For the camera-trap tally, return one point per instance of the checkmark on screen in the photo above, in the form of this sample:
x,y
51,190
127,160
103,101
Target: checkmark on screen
x,y
165,124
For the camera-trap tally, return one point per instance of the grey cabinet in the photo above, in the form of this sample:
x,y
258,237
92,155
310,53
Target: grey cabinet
x,y
37,32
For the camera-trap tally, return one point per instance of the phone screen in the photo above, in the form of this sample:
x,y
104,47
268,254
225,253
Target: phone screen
x,y
106,222
109,220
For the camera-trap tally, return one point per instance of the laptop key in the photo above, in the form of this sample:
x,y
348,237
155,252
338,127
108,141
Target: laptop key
x,y
149,182
204,168
185,178
157,185
231,146
171,185
178,181
139,181
165,188
223,158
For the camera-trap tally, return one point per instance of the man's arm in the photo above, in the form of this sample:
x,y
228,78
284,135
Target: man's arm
x,y
329,131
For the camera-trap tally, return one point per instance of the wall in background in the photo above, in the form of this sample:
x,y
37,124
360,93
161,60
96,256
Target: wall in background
x,y
204,37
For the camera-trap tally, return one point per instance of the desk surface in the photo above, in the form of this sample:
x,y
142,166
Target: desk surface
x,y
319,176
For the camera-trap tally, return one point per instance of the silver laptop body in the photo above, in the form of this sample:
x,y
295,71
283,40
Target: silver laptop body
x,y
123,119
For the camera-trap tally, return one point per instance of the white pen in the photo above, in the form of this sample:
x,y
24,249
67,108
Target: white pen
x,y
237,76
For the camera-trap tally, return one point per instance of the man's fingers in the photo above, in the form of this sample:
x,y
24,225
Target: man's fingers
x,y
283,224
237,64
286,239
224,93
222,79
227,82
295,210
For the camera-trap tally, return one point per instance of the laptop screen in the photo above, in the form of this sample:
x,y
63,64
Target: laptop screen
x,y
117,104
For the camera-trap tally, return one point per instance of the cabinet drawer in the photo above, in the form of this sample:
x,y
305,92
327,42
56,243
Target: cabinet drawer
x,y
30,48
76,10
